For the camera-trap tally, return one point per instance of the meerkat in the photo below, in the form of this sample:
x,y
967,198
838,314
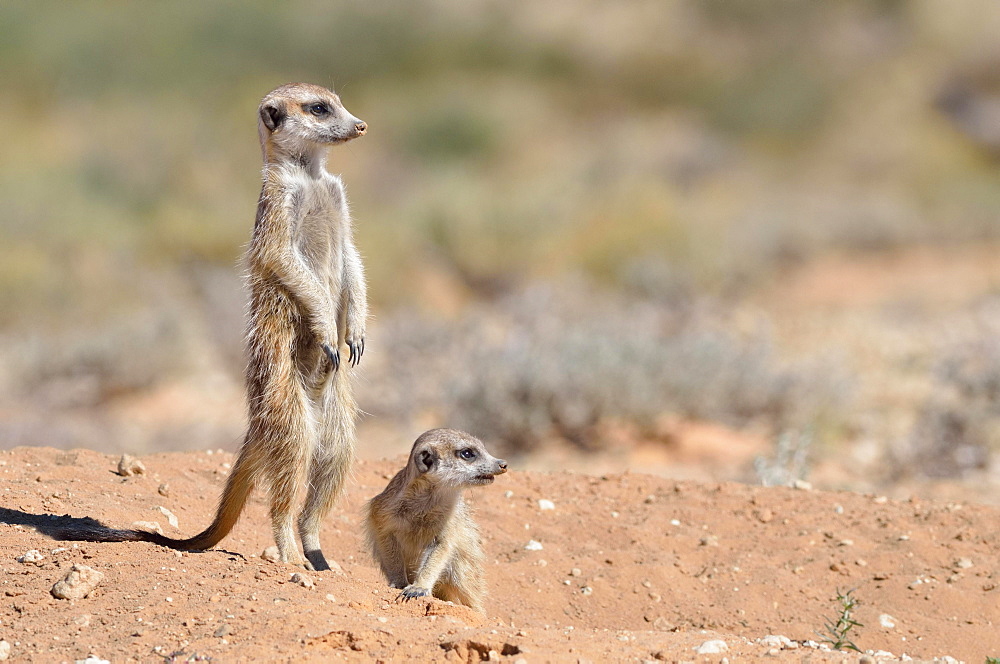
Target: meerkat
x,y
420,530
307,300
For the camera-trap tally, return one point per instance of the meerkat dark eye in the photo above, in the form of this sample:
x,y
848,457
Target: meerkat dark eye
x,y
468,454
319,109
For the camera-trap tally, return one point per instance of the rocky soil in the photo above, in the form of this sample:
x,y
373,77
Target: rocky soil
x,y
624,567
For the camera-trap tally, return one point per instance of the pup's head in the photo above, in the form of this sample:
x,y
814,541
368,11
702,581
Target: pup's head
x,y
454,458
300,117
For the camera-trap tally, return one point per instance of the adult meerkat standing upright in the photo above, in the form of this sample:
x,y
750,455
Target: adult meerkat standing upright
x,y
420,530
307,300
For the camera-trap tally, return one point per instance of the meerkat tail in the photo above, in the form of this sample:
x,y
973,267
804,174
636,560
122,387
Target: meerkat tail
x,y
238,487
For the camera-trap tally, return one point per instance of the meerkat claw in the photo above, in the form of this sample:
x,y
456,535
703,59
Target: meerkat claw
x,y
333,355
355,355
410,592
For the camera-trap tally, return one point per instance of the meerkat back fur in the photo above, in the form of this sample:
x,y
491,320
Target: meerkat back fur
x,y
420,530
307,301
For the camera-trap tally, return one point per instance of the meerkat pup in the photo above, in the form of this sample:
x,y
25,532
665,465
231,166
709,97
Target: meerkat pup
x,y
307,301
420,530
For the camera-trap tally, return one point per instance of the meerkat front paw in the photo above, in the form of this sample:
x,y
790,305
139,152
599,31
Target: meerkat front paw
x,y
333,354
411,591
357,350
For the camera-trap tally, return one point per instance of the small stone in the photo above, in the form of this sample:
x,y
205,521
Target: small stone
x,y
163,490
271,554
92,659
776,641
32,557
508,494
129,465
713,647
544,504
709,540
79,582
887,621
576,571
222,630
302,580
82,620
330,598
533,545
963,563
802,485
171,518
148,526
586,590
4,650
663,625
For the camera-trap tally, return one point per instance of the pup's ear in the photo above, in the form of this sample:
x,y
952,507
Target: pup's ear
x,y
272,114
426,460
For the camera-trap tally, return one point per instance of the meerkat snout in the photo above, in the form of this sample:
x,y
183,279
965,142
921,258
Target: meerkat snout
x,y
360,127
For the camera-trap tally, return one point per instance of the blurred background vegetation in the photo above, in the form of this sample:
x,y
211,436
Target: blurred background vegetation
x,y
679,235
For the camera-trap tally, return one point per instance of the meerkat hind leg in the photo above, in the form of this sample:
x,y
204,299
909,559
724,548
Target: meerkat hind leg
x,y
327,472
287,458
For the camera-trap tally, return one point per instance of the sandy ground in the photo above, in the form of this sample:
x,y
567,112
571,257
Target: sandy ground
x,y
632,567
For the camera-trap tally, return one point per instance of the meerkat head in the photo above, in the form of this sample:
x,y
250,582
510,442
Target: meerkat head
x,y
454,458
300,118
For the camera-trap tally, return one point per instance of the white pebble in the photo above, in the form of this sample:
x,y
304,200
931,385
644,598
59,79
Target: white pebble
x,y
92,659
31,557
4,650
302,580
712,647
129,465
887,621
148,526
776,640
533,545
544,504
79,582
170,516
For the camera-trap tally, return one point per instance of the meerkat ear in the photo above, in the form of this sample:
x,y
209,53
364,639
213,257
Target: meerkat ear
x,y
426,460
272,115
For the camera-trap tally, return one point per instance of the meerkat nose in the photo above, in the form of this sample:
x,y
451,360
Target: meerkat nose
x,y
503,465
361,128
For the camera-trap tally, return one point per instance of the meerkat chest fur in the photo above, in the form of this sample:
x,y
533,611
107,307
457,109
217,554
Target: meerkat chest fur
x,y
319,222
425,512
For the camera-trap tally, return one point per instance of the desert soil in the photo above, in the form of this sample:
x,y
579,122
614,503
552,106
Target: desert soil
x,y
632,567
